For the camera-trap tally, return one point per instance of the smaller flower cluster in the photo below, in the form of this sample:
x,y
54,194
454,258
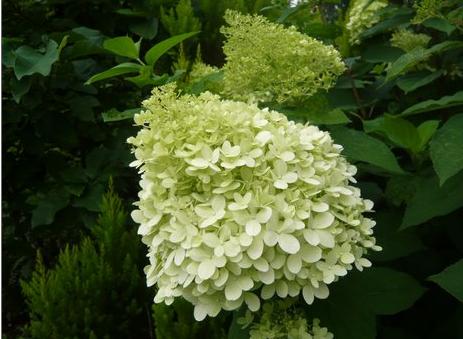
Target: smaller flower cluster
x,y
426,9
408,40
267,62
277,321
362,14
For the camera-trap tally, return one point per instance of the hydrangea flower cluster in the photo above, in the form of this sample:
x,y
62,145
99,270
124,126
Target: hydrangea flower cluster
x,y
279,322
200,70
408,40
426,9
270,63
362,14
238,204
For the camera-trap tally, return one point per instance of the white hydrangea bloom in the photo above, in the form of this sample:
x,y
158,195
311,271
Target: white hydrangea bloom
x,y
361,15
238,204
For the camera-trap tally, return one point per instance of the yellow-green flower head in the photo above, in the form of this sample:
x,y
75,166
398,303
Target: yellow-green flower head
x,y
408,41
267,62
277,322
361,15
238,204
200,70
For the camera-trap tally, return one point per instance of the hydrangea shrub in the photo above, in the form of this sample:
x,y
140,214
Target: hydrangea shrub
x,y
268,62
238,204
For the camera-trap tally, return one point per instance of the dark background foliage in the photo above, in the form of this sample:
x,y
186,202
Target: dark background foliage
x,y
397,113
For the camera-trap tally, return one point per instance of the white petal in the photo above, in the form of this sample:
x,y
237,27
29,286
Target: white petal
x,y
281,184
137,216
287,156
263,137
206,269
200,312
270,238
264,215
320,206
294,263
322,220
267,292
288,243
281,289
252,301
290,177
308,294
347,258
255,250
233,291
199,163
311,254
326,238
211,239
267,277
322,292
311,237
261,264
253,227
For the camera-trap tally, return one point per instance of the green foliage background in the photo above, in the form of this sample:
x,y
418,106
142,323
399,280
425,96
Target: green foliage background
x,y
398,112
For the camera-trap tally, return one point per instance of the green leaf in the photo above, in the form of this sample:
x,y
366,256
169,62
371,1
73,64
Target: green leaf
x,y
124,68
451,279
432,200
409,82
386,291
381,53
402,133
426,130
123,46
362,147
440,24
414,57
159,49
115,115
91,199
349,312
19,88
396,244
402,16
432,105
29,61
447,148
48,206
147,29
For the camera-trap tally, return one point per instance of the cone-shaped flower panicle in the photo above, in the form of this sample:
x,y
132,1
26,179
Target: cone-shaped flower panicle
x,y
361,15
238,204
268,62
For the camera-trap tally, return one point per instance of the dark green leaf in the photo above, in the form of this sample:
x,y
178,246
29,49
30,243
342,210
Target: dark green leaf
x,y
426,130
124,68
414,57
29,61
123,46
381,53
145,28
432,105
451,279
48,206
431,200
410,82
19,88
155,52
91,199
402,132
447,148
362,147
115,115
440,24
391,23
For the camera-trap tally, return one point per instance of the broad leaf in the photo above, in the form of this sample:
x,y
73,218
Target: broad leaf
x,y
147,29
432,105
123,46
414,57
29,61
440,24
451,279
431,200
124,68
412,81
115,115
159,49
362,147
48,206
426,130
447,148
